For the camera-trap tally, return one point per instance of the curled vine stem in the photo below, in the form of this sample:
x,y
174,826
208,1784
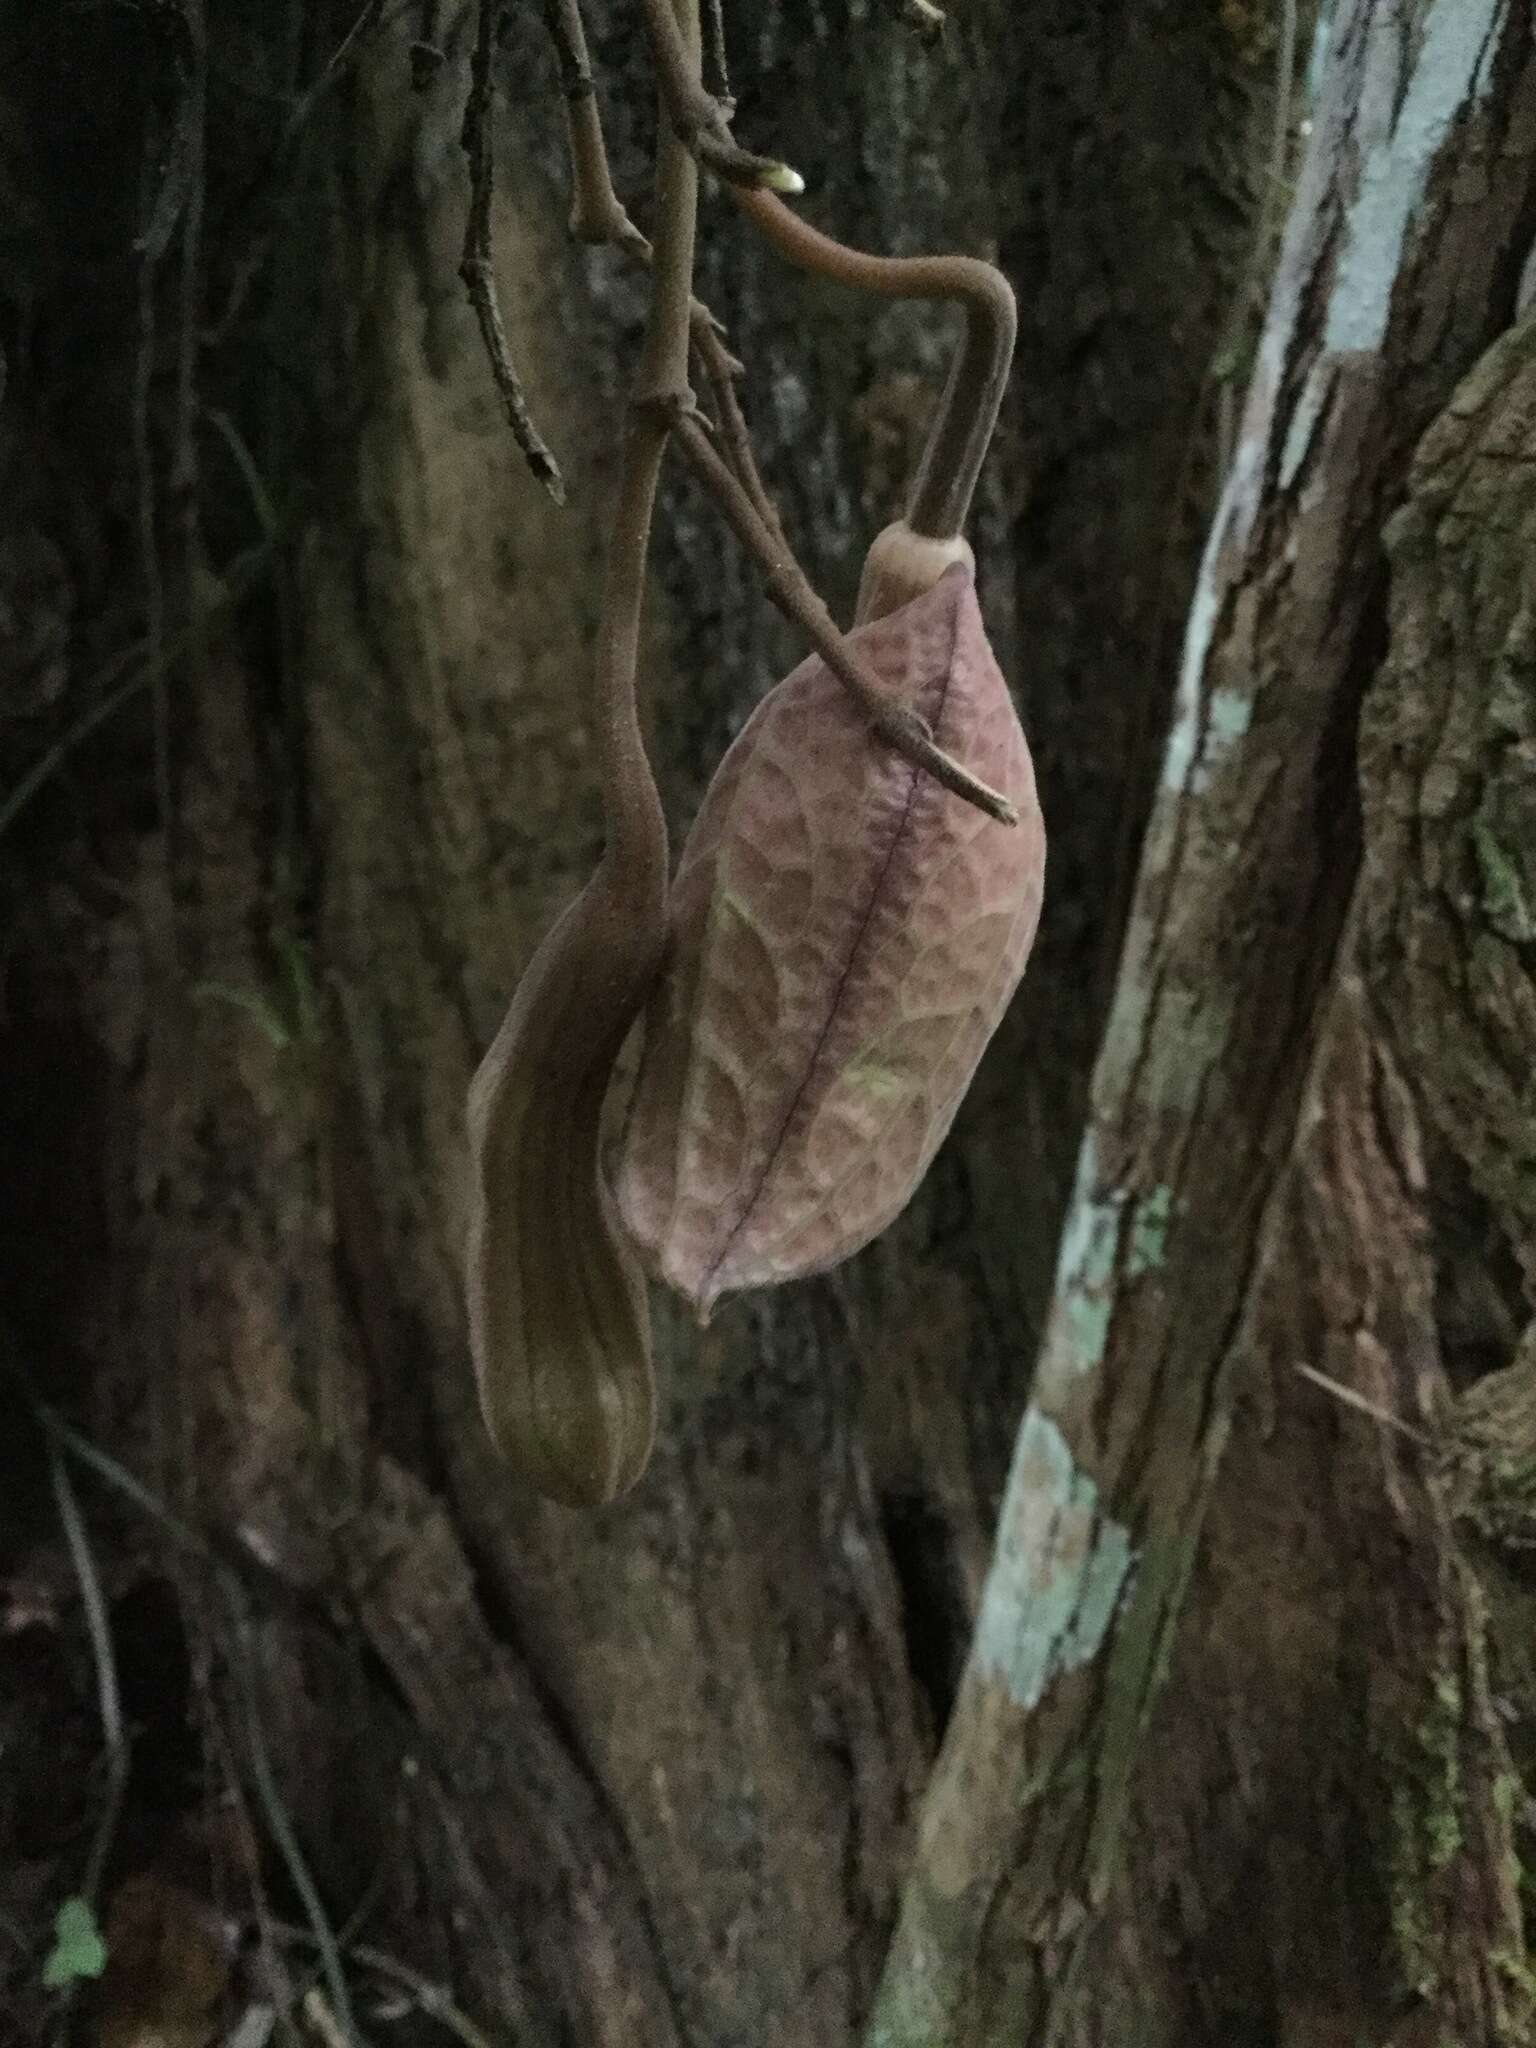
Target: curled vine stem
x,y
962,429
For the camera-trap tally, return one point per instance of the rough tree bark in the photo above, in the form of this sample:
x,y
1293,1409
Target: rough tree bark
x,y
655,1775
1254,1190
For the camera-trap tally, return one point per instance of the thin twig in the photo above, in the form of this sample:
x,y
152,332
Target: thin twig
x,y
171,165
793,593
330,72
1352,1399
62,1436
346,1933
598,216
149,544
240,454
597,213
97,1625
715,17
735,440
477,266
109,1696
699,119
278,1820
248,266
238,579
928,21
322,2020
430,1998
427,57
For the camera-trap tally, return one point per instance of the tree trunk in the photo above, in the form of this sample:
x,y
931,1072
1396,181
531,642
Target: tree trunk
x,y
291,648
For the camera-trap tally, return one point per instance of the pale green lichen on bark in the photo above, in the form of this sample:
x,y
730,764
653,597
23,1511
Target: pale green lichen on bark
x,y
1057,1574
1149,1231
1506,904
1427,1831
1085,1268
1099,1224
1451,38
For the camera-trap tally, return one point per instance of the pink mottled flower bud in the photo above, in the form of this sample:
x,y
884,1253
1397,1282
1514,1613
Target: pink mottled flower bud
x,y
846,936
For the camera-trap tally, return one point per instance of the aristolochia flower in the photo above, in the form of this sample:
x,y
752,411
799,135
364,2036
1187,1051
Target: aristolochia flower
x,y
846,935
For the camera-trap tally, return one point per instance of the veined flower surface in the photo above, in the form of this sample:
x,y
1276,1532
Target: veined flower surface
x,y
846,935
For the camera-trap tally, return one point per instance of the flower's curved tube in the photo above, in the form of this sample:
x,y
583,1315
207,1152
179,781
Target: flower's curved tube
x,y
962,428
558,1320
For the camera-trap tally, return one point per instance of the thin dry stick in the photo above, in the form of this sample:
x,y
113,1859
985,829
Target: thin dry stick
x,y
1349,1397
149,543
429,1997
793,593
248,266
598,216
99,1629
716,19
62,1437
699,119
477,266
597,213
330,72
735,440
928,20
237,579
277,1816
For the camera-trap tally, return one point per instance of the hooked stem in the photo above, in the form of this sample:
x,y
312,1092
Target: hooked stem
x,y
962,429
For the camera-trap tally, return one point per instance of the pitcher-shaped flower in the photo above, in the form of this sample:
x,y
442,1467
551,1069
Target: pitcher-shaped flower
x,y
846,935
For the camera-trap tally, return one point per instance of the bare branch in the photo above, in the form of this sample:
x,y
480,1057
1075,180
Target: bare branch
x,y
477,267
715,19
597,213
598,216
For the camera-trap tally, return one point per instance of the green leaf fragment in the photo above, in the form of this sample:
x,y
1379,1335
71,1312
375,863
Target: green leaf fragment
x,y
78,1949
